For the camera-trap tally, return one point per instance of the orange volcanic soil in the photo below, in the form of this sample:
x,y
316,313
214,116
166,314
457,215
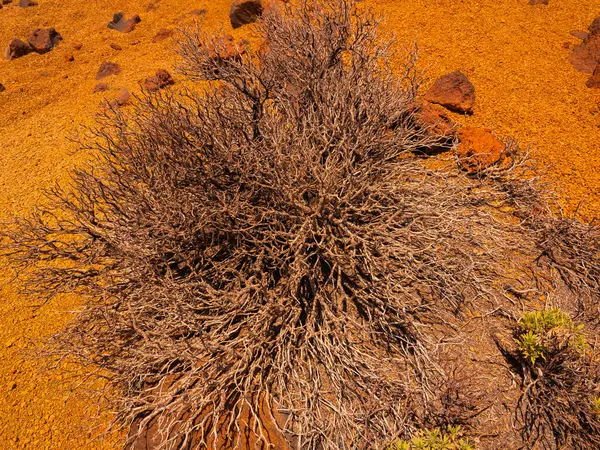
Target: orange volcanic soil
x,y
515,55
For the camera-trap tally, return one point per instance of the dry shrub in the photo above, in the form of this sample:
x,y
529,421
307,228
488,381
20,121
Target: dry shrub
x,y
269,248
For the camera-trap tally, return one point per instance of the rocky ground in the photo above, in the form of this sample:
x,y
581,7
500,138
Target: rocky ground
x,y
532,79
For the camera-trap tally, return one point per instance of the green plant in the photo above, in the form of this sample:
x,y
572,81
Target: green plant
x,y
538,327
435,439
560,374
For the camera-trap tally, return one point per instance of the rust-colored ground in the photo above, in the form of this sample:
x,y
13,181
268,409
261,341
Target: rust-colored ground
x,y
514,53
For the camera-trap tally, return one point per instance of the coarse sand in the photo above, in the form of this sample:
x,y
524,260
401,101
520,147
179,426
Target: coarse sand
x,y
514,53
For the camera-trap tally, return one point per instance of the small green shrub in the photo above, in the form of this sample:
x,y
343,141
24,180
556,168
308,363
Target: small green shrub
x,y
435,439
537,328
559,407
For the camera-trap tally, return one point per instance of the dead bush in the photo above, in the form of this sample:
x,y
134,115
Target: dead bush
x,y
268,248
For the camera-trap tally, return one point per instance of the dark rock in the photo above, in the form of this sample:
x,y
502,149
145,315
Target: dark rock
x,y
69,57
151,7
77,45
116,47
101,87
16,49
539,2
453,91
106,69
123,25
6,2
161,80
2,88
244,12
162,34
43,40
27,3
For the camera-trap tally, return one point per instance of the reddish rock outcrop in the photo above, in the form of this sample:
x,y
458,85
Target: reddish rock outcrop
x,y
478,149
16,49
586,55
42,40
244,12
106,69
123,25
161,80
453,91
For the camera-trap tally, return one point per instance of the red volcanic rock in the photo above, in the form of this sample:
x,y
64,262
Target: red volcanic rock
x,y
106,69
225,49
595,26
122,98
101,87
27,3
478,149
244,12
162,34
579,34
435,120
594,81
453,91
123,25
16,49
161,80
585,56
43,40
